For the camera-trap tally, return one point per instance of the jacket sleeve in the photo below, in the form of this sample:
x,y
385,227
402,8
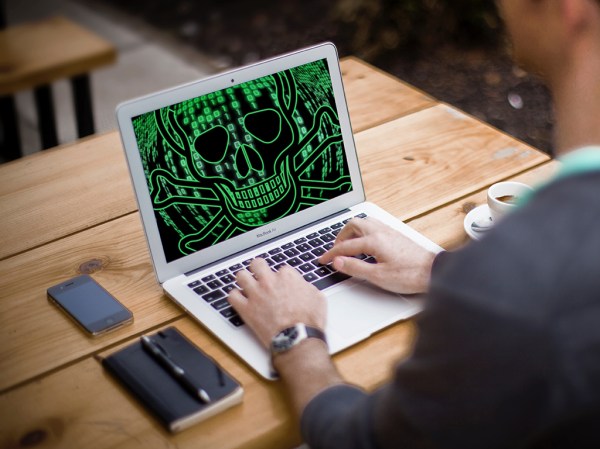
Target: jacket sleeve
x,y
340,416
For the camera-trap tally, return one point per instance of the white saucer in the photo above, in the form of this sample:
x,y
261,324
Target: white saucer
x,y
480,213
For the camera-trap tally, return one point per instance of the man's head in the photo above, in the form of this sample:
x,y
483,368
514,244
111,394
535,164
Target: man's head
x,y
543,32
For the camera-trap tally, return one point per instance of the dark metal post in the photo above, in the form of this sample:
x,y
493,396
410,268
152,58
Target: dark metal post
x,y
46,119
82,98
10,141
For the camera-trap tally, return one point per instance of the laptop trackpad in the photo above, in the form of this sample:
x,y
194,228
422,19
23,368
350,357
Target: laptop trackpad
x,y
356,311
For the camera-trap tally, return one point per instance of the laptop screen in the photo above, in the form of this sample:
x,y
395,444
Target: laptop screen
x,y
230,161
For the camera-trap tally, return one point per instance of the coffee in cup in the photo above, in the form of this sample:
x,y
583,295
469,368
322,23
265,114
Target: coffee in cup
x,y
505,196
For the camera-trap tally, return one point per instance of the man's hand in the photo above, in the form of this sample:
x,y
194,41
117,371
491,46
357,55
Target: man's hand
x,y
402,265
271,301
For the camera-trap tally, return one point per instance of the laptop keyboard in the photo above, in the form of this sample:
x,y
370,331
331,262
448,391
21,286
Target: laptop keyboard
x,y
302,254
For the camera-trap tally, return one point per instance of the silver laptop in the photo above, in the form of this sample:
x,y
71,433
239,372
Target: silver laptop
x,y
258,161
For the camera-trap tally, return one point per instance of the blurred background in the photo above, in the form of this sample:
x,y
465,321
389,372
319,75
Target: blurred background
x,y
455,50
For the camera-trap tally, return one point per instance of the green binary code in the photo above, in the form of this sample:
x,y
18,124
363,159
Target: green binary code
x,y
224,163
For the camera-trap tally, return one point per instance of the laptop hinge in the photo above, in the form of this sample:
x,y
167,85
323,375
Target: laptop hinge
x,y
266,242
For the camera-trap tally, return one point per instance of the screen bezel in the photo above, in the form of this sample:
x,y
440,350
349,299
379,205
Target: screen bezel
x,y
126,111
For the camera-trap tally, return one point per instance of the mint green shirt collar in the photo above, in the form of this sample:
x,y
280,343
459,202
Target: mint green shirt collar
x,y
578,161
582,160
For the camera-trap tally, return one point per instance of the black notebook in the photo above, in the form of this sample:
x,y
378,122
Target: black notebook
x,y
161,392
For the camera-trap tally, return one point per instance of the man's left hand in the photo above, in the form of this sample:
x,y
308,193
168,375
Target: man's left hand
x,y
272,301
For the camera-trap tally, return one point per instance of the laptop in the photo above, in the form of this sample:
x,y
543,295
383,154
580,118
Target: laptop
x,y
258,161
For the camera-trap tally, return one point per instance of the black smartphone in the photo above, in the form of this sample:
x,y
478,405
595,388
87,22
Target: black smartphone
x,y
89,305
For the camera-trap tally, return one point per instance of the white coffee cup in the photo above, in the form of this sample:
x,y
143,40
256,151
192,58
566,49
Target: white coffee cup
x,y
505,196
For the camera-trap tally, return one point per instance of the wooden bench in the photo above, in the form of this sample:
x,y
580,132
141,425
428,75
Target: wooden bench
x,y
35,54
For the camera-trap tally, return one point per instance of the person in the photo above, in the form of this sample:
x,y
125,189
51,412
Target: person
x,y
508,347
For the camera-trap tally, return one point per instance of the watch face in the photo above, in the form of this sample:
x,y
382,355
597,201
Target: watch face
x,y
285,339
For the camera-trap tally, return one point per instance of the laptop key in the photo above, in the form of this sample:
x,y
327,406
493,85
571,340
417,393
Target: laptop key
x,y
315,243
337,226
312,236
228,279
193,284
328,237
212,296
220,304
306,257
300,240
236,321
305,268
303,247
318,252
288,245
328,281
210,277
201,289
228,312
294,262
322,271
236,267
214,284
228,288
311,277
291,252
277,258
222,273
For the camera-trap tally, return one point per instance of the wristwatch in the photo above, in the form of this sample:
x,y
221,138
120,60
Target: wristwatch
x,y
292,336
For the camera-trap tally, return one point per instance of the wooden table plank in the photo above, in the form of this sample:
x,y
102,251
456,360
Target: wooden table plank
x,y
376,97
64,190
82,406
445,225
432,157
37,336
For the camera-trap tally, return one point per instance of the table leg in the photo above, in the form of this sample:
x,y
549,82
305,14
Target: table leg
x,y
82,97
10,141
46,117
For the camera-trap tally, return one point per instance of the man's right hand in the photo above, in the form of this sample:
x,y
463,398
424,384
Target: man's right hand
x,y
402,265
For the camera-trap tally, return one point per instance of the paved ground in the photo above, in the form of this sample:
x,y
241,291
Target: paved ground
x,y
147,61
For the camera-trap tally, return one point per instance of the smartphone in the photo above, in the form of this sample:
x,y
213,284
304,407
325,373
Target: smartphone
x,y
89,305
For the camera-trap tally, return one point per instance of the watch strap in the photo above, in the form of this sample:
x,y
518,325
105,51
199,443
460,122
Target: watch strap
x,y
292,336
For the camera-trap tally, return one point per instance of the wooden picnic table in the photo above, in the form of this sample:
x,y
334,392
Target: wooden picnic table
x,y
71,210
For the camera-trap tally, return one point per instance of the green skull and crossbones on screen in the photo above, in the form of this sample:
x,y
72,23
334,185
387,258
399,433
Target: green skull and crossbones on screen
x,y
227,162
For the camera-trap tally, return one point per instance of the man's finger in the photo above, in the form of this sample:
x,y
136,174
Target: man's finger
x,y
246,281
260,268
237,300
351,230
347,248
354,267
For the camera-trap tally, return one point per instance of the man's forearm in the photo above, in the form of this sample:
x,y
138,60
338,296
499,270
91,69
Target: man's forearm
x,y
306,370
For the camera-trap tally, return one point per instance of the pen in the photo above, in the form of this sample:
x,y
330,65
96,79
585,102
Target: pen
x,y
160,355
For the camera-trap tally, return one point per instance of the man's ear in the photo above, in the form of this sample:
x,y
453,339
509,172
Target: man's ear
x,y
575,14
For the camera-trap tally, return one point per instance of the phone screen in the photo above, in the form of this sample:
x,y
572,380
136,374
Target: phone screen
x,y
89,304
